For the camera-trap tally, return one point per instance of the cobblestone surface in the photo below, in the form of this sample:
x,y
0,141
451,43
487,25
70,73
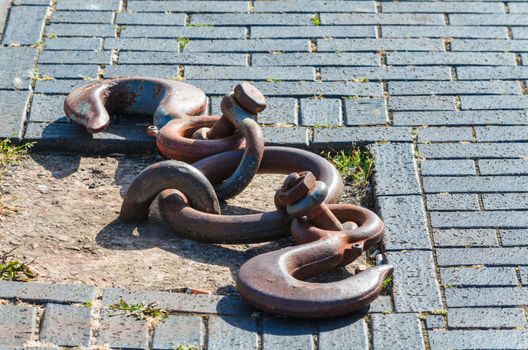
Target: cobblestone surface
x,y
438,86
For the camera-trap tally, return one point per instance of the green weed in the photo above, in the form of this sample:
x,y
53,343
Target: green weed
x,y
316,20
139,311
183,42
11,153
354,164
12,269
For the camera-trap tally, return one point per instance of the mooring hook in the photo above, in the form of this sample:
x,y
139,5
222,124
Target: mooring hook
x,y
91,105
272,281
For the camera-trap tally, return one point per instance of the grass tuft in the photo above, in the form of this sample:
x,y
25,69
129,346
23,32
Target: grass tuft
x,y
354,164
186,347
386,286
183,42
139,311
12,269
11,154
316,20
441,312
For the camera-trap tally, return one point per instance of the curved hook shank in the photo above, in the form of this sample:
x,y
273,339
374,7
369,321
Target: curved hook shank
x,y
169,174
270,281
91,105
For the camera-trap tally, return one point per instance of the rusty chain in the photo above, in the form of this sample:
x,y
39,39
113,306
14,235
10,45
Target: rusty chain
x,y
225,154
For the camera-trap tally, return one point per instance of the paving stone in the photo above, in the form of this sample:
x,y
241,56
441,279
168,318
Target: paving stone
x,y
453,87
481,150
421,103
503,166
75,44
475,184
74,57
448,167
458,118
488,19
16,67
174,32
478,339
251,45
313,6
180,302
450,59
497,102
178,330
249,73
48,109
295,32
102,17
511,256
89,5
444,201
395,172
318,59
486,297
360,111
187,6
120,331
325,111
232,333
501,133
486,318
45,292
344,137
524,276
81,30
382,304
17,324
465,238
479,276
30,2
405,222
153,19
443,31
343,333
133,57
13,107
280,333
279,111
442,7
24,25
141,44
396,331
123,70
503,201
415,285
474,219
518,7
435,321
499,72
433,134
381,18
385,73
66,325
63,71
520,33
514,237
54,87
290,137
264,19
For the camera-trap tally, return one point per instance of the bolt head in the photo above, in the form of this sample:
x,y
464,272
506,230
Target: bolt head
x,y
250,98
295,187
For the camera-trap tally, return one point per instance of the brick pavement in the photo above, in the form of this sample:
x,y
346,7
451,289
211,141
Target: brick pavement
x,y
438,89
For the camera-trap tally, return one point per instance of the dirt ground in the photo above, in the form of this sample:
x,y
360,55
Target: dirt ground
x,y
65,219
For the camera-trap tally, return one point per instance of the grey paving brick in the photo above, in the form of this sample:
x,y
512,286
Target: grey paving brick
x,y
330,44
133,57
405,223
455,118
293,32
448,167
442,7
120,331
359,111
395,172
74,57
479,276
443,31
501,133
514,237
465,238
382,304
16,67
396,331
76,44
381,18
482,150
174,32
475,219
451,59
488,297
503,201
279,110
415,285
278,333
180,302
486,318
66,325
524,276
88,5
81,30
268,19
63,71
475,184
435,321
317,59
435,134
13,107
17,324
343,333
445,201
488,45
232,333
488,19
31,2
497,102
62,87
45,292
428,103
314,6
24,25
479,339
142,44
518,7
325,111
291,137
385,73
250,45
102,17
168,71
511,256
249,73
47,109
151,19
454,88
178,330
324,138
187,6
520,33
